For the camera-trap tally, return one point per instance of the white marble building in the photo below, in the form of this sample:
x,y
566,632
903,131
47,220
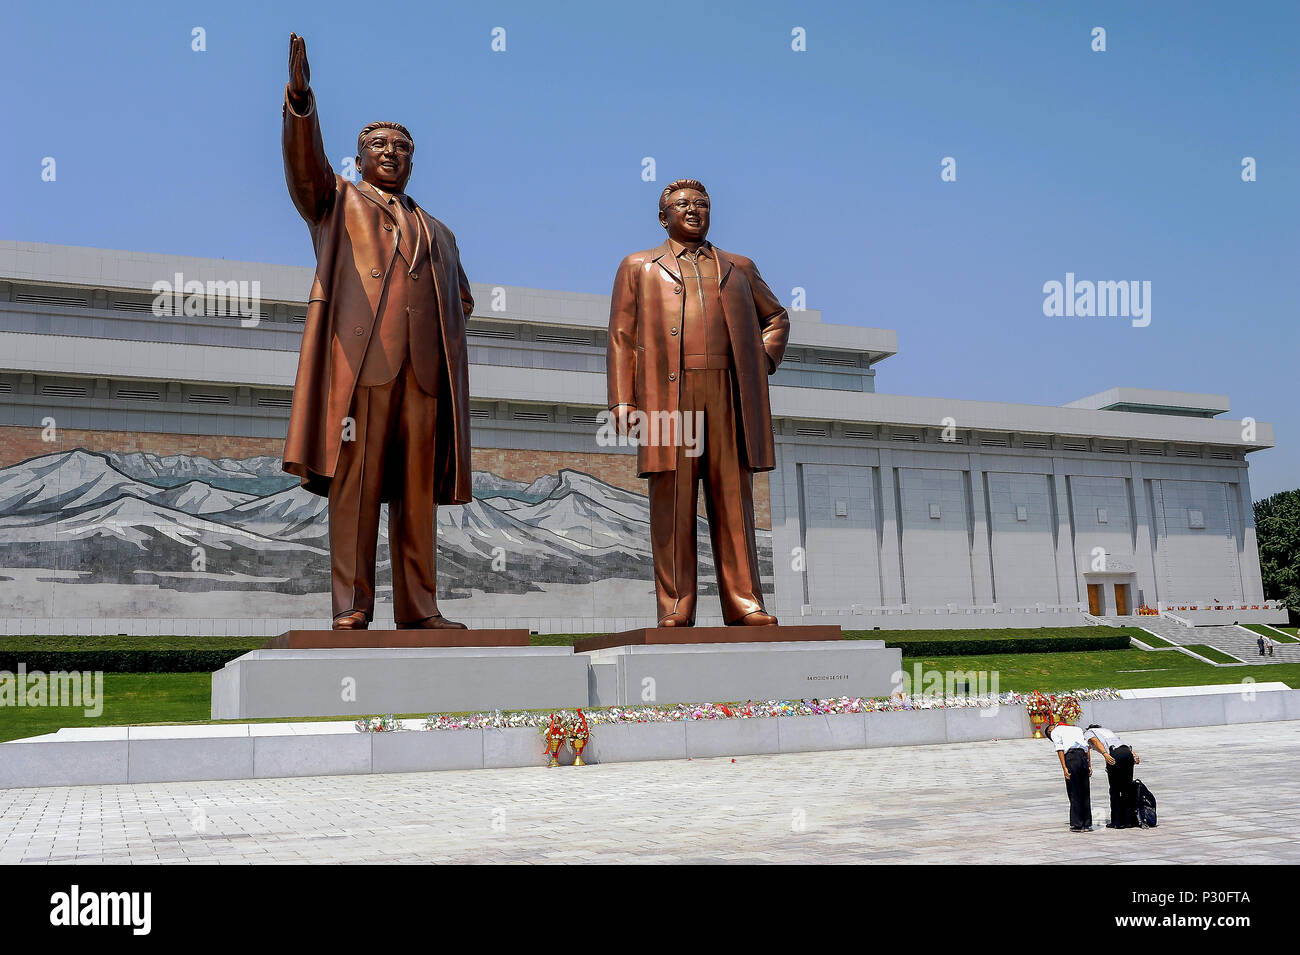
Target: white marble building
x,y
885,510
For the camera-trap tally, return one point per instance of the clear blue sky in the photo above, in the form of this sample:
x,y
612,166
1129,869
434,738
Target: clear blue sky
x,y
823,165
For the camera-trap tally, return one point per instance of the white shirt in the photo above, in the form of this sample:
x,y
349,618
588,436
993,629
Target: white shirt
x,y
1068,737
1107,738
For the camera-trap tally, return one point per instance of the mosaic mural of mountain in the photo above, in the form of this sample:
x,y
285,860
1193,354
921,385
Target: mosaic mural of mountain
x,y
89,518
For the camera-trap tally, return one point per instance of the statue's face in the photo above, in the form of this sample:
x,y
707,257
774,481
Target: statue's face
x,y
686,216
385,159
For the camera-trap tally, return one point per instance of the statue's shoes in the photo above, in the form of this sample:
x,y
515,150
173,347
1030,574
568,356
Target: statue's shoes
x,y
436,622
353,620
676,620
756,619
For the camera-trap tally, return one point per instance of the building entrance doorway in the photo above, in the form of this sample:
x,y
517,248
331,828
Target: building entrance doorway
x,y
1122,606
1094,600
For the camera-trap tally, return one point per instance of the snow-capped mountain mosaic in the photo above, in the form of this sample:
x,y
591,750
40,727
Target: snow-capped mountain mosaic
x,y
87,533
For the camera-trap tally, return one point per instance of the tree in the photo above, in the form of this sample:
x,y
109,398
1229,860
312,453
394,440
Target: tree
x,y
1277,528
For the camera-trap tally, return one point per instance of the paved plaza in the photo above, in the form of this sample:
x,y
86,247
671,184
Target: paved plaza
x,y
1227,795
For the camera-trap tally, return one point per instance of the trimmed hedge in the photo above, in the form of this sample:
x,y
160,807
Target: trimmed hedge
x,y
120,661
172,654
113,654
997,642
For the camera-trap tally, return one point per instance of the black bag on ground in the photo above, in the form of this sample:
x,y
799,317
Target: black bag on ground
x,y
1146,805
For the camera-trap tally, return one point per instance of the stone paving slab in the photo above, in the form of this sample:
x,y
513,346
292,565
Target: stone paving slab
x,y
1224,798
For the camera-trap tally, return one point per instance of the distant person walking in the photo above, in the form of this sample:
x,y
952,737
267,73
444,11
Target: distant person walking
x,y
1120,760
1072,750
1260,641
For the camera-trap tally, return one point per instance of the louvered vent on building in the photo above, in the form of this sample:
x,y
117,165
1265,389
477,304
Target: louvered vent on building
x,y
63,391
554,339
35,298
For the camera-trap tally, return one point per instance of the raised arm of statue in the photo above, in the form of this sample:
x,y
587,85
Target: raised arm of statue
x,y
306,168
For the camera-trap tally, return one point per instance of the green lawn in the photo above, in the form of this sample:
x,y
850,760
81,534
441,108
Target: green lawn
x,y
1288,634
1122,669
1151,640
912,636
128,698
893,637
1211,653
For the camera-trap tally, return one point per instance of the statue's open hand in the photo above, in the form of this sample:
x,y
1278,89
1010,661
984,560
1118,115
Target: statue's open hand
x,y
299,71
622,414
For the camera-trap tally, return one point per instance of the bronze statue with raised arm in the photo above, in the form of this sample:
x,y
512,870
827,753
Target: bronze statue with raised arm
x,y
381,400
694,333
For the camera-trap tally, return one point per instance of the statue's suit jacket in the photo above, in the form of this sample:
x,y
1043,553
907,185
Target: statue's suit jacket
x,y
644,358
355,254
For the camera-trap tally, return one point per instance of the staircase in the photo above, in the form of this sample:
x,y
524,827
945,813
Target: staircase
x,y
1233,640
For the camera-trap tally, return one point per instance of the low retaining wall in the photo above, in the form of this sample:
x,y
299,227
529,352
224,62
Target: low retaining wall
x,y
940,618
1225,618
109,755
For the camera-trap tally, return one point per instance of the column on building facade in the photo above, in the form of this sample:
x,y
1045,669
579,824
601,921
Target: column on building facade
x,y
891,558
1144,560
787,531
1067,572
1252,581
981,557
1152,496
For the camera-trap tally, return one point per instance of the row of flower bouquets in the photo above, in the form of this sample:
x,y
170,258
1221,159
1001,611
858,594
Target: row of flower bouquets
x,y
1144,611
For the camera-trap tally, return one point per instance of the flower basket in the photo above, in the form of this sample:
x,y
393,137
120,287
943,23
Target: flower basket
x,y
377,724
1039,708
1067,709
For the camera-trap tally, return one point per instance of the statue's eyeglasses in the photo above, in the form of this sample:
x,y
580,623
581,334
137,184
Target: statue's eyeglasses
x,y
681,205
379,143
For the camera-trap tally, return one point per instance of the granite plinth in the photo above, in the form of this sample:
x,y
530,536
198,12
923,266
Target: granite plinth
x,y
632,675
370,681
381,639
670,636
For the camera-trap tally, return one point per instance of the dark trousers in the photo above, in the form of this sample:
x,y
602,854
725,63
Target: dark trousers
x,y
1076,763
728,501
1123,799
391,457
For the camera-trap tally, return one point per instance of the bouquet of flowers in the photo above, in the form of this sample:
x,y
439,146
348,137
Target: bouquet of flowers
x,y
378,724
554,734
1038,705
1068,710
579,734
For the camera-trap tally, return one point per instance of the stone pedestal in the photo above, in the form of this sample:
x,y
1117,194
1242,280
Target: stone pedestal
x,y
369,681
634,675
378,639
664,636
